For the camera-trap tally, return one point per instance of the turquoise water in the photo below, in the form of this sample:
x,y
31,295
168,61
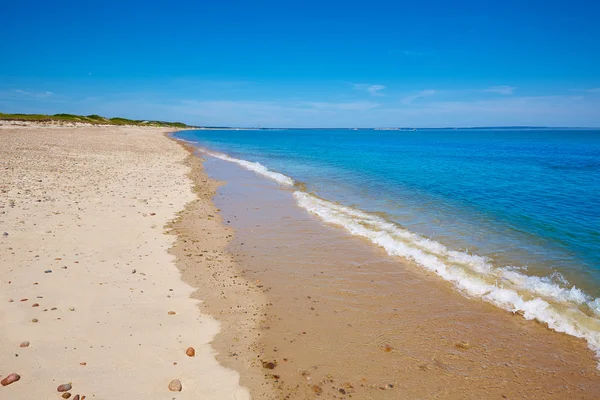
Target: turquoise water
x,y
511,216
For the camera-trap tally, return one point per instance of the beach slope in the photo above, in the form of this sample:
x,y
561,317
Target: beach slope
x,y
89,294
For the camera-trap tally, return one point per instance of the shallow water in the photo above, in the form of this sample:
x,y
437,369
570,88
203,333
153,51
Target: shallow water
x,y
344,314
509,216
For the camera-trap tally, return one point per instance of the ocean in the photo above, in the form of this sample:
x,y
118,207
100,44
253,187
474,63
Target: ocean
x,y
509,216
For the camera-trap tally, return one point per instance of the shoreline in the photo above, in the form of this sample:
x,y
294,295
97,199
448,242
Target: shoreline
x,y
330,324
206,263
89,294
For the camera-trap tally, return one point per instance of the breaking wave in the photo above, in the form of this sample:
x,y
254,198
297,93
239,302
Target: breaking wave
x,y
549,300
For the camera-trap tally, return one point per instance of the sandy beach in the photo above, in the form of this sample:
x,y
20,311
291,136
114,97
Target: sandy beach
x,y
129,270
89,295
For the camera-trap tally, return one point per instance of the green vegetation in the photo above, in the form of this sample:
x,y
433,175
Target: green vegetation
x,y
89,119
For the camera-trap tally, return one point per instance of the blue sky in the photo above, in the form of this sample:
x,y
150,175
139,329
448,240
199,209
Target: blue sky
x,y
306,63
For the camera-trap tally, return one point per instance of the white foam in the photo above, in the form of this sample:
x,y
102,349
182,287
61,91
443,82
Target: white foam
x,y
256,167
534,297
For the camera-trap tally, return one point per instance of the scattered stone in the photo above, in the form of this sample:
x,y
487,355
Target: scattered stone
x,y
10,300
83,363
133,271
462,345
5,234
48,271
171,313
190,352
10,379
317,389
24,344
76,397
66,395
35,305
175,385
71,309
65,387
269,364
35,320
24,299
342,391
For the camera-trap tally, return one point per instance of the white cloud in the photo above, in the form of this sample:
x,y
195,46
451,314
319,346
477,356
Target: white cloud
x,y
506,90
37,95
423,93
373,90
592,90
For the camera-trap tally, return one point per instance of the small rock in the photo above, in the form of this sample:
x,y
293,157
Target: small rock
x,y
35,305
10,379
10,300
342,391
83,363
269,364
76,397
190,352
133,271
35,320
24,344
171,313
65,387
175,385
24,299
317,389
48,271
66,395
5,234
71,309
463,345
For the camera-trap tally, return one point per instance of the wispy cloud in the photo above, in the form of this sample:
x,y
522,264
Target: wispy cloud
x,y
373,90
37,95
415,96
592,90
505,90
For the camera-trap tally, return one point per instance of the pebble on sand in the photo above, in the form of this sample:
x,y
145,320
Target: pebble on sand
x,y
24,344
76,397
317,389
66,395
65,387
175,385
190,352
10,379
171,313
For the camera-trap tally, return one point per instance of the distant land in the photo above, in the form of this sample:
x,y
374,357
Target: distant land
x,y
88,119
99,120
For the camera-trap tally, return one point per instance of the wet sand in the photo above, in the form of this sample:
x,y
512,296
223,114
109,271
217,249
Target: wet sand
x,y
344,319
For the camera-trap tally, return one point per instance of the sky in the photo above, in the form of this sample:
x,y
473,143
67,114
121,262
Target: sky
x,y
307,63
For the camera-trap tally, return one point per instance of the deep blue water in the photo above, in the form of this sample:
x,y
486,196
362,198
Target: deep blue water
x,y
523,198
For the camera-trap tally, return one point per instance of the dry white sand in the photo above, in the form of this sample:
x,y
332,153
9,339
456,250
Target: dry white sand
x,y
84,210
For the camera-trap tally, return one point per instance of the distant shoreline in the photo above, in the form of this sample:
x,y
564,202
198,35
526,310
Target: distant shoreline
x,y
94,119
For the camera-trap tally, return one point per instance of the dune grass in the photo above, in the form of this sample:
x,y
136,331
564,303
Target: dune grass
x,y
89,119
